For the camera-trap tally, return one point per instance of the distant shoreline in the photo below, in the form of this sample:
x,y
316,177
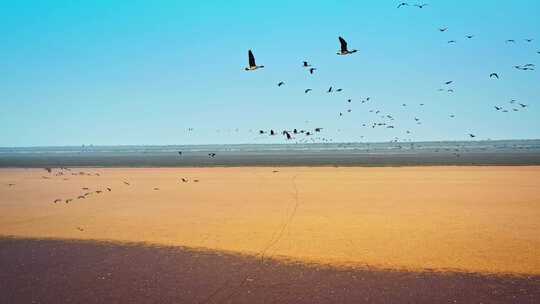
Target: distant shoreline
x,y
465,153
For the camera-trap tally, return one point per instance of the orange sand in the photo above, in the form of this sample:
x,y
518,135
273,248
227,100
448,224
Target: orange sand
x,y
479,219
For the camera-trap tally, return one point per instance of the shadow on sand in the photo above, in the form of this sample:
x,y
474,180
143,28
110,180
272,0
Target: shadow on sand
x,y
59,271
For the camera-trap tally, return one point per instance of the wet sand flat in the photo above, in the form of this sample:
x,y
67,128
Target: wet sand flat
x,y
470,219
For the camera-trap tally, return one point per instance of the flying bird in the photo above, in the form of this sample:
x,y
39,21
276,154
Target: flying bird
x,y
311,70
469,36
472,135
402,4
510,41
280,83
421,5
443,29
329,90
448,82
251,61
344,50
306,64
212,155
451,41
494,75
287,134
529,40
307,90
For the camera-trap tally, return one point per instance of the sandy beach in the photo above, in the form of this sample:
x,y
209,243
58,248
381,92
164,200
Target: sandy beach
x,y
466,219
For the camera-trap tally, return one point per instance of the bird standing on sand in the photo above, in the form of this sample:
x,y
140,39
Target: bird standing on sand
x,y
251,61
344,50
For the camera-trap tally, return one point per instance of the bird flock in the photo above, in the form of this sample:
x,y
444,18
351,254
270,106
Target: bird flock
x,y
386,120
64,173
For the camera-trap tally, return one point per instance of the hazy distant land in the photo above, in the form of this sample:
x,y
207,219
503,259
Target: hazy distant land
x,y
503,152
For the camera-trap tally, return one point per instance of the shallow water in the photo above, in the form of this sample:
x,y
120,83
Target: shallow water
x,y
504,152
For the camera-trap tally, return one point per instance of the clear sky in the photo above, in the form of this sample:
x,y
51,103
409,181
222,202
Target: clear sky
x,y
142,72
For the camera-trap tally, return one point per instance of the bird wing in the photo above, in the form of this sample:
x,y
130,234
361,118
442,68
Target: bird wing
x,y
343,44
251,59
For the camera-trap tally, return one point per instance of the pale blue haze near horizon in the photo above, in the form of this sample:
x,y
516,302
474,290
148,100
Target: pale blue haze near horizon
x,y
143,72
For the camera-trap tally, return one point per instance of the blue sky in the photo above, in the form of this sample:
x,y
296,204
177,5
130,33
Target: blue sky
x,y
142,72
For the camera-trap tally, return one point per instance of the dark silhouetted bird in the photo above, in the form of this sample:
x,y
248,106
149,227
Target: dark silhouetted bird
x,y
494,75
449,82
443,29
212,155
344,50
251,61
280,83
306,64
421,5
329,90
469,36
307,90
287,134
402,4
311,70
